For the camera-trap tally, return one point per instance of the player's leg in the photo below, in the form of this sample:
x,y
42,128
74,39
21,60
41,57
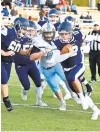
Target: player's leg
x,y
95,109
43,81
4,88
50,75
22,72
35,75
62,81
8,68
88,86
73,78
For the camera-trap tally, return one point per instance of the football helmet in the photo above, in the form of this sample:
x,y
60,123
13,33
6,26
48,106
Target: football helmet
x,y
22,26
70,19
48,31
65,31
31,30
53,16
21,23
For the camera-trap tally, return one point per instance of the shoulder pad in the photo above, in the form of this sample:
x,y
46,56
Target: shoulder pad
x,y
4,31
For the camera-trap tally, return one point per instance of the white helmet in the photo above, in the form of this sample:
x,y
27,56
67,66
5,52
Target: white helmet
x,y
48,31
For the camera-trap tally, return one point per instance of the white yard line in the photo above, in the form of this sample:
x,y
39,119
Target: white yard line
x,y
52,108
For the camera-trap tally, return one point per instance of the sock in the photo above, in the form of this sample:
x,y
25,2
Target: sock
x,y
38,93
7,102
91,104
81,96
62,100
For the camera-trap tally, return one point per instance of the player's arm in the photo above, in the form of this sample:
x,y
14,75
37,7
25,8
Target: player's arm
x,y
66,49
27,52
8,53
36,56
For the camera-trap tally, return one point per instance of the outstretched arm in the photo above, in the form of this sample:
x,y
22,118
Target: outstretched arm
x,y
36,56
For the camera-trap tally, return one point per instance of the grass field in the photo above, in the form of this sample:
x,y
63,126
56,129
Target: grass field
x,y
82,3
27,117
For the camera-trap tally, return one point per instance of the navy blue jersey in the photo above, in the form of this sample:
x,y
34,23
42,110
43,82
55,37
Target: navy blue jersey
x,y
73,60
7,36
78,35
21,43
56,25
41,22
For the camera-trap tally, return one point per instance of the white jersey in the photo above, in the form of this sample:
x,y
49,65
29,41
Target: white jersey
x,y
48,60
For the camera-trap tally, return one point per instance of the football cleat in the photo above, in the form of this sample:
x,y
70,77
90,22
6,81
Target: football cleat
x,y
40,103
95,114
24,93
62,106
10,108
93,81
7,104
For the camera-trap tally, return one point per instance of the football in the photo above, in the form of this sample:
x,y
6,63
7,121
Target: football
x,y
66,49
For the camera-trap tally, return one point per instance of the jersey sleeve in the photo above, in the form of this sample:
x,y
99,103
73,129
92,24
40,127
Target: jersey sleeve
x,y
3,34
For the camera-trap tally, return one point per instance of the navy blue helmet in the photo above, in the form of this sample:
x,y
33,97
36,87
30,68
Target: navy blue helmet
x,y
53,12
20,23
32,25
69,19
65,27
53,16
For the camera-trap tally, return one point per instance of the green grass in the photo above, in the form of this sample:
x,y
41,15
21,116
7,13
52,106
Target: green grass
x,y
82,3
28,118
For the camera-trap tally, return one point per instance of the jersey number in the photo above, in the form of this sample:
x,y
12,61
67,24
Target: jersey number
x,y
15,46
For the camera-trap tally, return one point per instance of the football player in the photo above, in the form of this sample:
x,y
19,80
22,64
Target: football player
x,y
23,65
7,36
74,66
78,36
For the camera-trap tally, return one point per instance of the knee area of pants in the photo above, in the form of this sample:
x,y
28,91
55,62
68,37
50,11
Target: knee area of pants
x,y
71,78
39,85
55,90
26,87
4,82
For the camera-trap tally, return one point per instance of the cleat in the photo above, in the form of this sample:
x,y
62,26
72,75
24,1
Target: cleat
x,y
95,114
24,93
62,106
67,97
92,81
7,104
40,103
10,108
